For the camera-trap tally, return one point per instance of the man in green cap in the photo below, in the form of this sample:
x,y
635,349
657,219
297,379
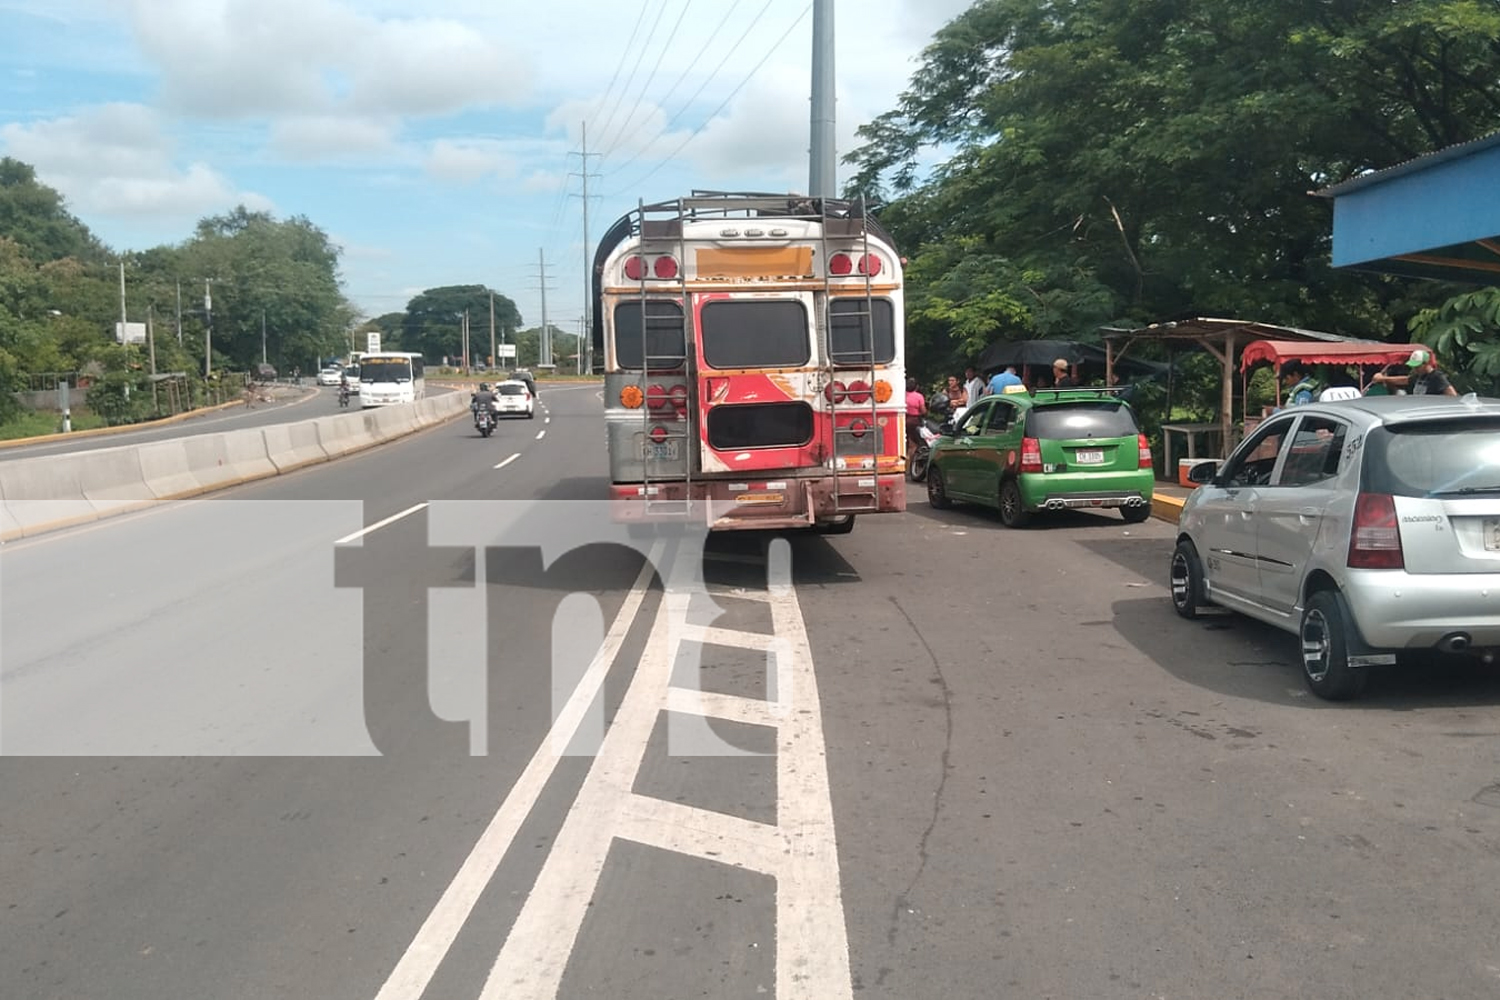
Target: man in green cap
x,y
1424,380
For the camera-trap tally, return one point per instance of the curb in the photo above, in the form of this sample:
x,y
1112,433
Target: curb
x,y
1166,508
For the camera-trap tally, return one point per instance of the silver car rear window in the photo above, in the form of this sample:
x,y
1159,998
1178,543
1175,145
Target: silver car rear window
x,y
1434,458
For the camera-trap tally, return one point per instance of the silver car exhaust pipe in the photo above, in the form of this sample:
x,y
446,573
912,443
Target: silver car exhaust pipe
x,y
1454,642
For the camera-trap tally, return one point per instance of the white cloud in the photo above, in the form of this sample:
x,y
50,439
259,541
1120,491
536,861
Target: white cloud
x,y
117,160
467,161
252,58
314,137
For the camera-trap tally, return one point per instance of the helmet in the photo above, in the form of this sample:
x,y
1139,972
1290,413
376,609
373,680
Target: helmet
x,y
484,387
940,403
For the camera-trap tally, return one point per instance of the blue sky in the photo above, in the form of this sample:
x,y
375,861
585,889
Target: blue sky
x,y
437,142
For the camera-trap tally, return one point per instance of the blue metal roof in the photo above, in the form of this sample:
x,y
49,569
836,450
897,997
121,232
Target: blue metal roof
x,y
1436,216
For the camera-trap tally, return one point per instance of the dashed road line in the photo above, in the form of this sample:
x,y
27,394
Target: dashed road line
x,y
541,434
507,461
362,532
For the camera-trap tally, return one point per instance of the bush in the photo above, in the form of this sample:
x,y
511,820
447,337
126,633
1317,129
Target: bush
x,y
121,397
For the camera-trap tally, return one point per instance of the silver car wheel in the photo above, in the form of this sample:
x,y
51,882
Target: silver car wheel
x,y
1315,645
1181,579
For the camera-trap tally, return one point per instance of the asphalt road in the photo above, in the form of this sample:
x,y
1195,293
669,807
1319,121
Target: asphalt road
x,y
932,758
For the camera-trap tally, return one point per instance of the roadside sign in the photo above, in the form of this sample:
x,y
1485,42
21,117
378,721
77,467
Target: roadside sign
x,y
505,351
372,342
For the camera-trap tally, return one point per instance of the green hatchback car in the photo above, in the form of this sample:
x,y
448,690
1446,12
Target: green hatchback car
x,y
1022,453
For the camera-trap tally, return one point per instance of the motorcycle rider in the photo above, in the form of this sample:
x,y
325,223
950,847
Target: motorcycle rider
x,y
485,397
343,390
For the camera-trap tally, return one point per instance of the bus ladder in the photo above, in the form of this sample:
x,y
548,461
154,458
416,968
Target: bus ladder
x,y
680,429
860,452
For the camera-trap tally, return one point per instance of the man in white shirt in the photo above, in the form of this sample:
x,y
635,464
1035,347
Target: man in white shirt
x,y
973,385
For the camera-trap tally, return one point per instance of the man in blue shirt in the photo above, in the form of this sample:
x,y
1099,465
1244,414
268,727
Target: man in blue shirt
x,y
1003,379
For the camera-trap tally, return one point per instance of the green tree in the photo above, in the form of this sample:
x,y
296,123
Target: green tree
x,y
33,215
434,321
1145,159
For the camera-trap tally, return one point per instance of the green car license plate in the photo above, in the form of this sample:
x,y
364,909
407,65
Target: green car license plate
x,y
1089,456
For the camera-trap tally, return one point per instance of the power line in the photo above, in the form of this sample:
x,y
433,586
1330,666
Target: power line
x,y
620,134
625,53
697,131
704,85
604,129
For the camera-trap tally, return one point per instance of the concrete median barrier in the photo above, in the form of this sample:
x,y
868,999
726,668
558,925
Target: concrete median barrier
x,y
293,446
57,491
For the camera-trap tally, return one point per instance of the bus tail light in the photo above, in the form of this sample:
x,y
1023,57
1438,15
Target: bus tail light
x,y
1375,542
858,428
1031,455
840,264
869,264
664,267
835,392
635,268
631,397
658,434
1145,451
657,399
679,396
859,392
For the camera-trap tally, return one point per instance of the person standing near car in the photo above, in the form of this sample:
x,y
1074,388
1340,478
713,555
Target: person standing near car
x,y
1424,380
1300,386
1005,378
916,409
973,385
1061,379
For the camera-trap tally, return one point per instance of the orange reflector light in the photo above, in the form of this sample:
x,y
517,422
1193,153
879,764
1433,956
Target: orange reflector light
x,y
882,391
632,397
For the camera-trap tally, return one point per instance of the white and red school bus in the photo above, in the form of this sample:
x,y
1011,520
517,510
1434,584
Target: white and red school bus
x,y
753,355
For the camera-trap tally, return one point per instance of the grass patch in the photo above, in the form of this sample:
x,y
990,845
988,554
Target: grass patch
x,y
37,423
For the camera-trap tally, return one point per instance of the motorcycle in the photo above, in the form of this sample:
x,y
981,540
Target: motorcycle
x,y
343,395
484,420
928,432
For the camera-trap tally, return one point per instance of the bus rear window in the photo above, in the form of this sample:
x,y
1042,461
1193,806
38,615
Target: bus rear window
x,y
849,341
665,339
759,425
385,370
755,333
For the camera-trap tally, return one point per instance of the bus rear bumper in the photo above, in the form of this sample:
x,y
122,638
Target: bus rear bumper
x,y
727,505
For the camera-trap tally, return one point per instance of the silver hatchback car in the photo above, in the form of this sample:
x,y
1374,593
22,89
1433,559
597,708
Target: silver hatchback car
x,y
1367,527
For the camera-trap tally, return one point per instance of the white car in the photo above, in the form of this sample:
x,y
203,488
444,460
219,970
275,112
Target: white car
x,y
514,398
330,375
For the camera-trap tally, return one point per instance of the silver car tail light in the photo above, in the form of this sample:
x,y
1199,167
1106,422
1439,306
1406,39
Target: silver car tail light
x,y
1375,541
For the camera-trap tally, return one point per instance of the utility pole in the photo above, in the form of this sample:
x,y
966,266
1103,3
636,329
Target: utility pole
x,y
179,312
262,336
150,341
466,341
124,334
822,157
588,262
493,359
208,328
544,342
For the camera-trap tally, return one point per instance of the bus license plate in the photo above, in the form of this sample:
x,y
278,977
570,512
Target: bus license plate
x,y
659,451
1492,534
1094,457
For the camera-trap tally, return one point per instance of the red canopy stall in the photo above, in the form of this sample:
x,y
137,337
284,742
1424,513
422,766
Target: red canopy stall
x,y
1363,353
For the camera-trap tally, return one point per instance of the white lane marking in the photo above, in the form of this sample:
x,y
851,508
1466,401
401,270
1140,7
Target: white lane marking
x,y
799,850
412,974
362,532
541,434
547,420
508,460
